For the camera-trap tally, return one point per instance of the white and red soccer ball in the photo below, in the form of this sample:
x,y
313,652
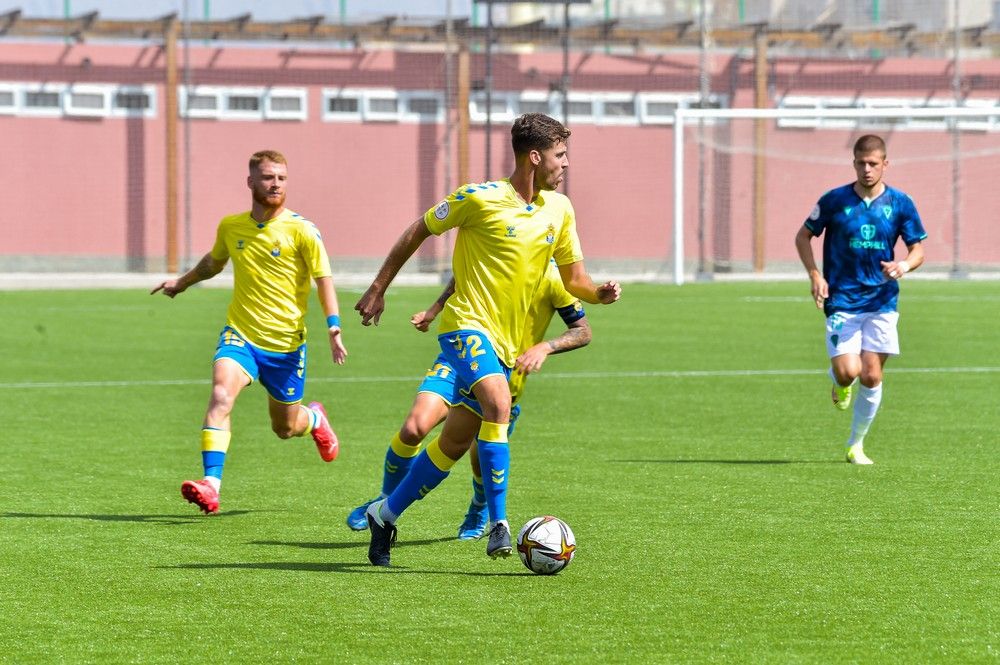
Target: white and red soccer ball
x,y
546,545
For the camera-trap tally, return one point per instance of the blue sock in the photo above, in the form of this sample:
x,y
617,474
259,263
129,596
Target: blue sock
x,y
425,474
214,444
478,492
398,460
213,460
494,462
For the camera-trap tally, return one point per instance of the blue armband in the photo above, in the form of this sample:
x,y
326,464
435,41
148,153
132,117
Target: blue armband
x,y
333,320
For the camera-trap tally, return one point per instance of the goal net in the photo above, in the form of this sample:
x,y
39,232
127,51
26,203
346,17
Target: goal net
x,y
746,179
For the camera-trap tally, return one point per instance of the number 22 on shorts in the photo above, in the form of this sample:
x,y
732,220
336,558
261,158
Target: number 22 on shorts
x,y
472,345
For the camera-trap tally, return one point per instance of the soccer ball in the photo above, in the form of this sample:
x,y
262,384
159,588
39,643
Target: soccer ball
x,y
546,545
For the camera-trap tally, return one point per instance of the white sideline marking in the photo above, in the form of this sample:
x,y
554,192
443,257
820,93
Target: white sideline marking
x,y
416,378
908,298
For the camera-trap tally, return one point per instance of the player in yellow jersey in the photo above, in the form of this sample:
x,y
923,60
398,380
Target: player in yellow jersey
x,y
508,231
437,393
275,252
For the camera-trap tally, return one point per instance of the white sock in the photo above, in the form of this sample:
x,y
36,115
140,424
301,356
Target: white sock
x,y
313,418
387,515
216,483
866,405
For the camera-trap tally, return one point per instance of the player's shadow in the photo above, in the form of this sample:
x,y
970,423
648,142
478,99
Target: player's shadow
x,y
349,544
140,518
334,567
724,461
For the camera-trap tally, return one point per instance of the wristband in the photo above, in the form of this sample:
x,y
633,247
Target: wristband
x,y
333,320
903,266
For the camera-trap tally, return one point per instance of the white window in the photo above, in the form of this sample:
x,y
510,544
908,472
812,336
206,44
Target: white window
x,y
286,104
421,106
342,104
87,100
657,108
789,102
983,124
618,109
882,122
380,106
538,101
133,101
582,107
200,102
502,107
243,104
43,99
8,98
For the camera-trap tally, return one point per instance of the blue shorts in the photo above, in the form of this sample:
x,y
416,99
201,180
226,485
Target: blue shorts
x,y
440,380
283,375
472,358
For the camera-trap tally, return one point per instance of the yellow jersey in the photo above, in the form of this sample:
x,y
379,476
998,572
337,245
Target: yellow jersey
x,y
550,297
273,263
502,252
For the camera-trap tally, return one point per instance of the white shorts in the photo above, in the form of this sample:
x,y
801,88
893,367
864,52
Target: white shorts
x,y
854,333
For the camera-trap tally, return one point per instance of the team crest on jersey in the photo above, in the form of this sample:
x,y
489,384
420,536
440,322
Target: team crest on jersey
x,y
442,210
474,366
276,250
510,231
550,236
847,211
887,211
239,244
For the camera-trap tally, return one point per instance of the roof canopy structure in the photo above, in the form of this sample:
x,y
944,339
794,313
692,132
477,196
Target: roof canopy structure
x,y
402,32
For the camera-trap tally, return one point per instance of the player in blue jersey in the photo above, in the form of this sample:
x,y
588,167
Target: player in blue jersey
x,y
858,288
275,252
508,231
438,393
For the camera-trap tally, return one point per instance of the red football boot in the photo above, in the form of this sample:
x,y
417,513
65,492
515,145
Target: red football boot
x,y
324,436
202,494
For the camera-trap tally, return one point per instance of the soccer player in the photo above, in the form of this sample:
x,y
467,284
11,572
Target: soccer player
x,y
508,231
858,287
437,393
275,252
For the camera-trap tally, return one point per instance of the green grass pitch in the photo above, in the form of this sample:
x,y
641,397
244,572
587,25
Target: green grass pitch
x,y
692,447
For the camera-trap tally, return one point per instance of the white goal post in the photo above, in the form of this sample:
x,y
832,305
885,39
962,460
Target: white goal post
x,y
949,126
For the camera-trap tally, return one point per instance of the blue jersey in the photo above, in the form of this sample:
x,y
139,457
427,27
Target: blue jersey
x,y
858,237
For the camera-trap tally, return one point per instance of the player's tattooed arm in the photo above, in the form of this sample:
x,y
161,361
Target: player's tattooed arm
x,y
576,335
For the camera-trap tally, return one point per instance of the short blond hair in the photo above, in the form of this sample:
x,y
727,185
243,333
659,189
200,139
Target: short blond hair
x,y
266,155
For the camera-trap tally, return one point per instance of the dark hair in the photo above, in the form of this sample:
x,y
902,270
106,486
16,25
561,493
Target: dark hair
x,y
268,155
869,143
536,131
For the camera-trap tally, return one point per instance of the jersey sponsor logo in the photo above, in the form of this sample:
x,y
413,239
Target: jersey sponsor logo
x,y
240,244
442,210
510,231
867,241
814,215
550,235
